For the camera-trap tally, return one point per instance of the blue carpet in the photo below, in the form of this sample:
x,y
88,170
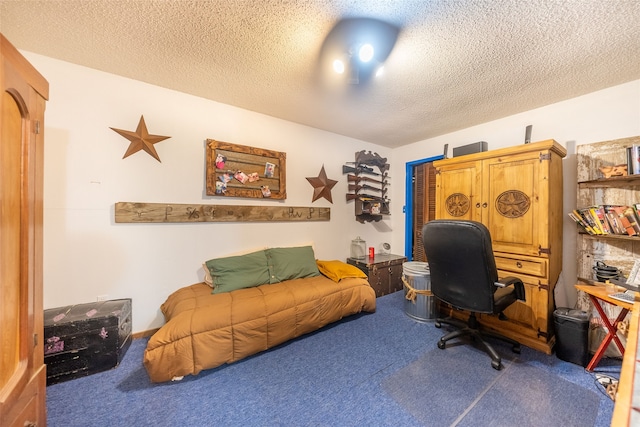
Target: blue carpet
x,y
338,376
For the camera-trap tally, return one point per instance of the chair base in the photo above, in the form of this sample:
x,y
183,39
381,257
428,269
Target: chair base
x,y
472,328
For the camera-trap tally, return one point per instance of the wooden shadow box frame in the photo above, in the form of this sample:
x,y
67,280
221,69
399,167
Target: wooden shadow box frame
x,y
248,160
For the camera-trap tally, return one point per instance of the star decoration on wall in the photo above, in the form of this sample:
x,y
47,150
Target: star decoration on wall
x,y
141,140
322,186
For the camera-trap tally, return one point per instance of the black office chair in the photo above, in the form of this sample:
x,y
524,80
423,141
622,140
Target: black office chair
x,y
463,274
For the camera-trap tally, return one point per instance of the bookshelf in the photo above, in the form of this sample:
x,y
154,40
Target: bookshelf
x,y
594,190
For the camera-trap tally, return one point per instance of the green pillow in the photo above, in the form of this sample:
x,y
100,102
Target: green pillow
x,y
291,263
238,272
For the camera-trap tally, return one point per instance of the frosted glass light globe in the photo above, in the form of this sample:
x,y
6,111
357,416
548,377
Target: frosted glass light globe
x,y
366,53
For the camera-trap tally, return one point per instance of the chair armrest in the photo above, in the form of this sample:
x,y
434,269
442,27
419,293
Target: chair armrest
x,y
517,283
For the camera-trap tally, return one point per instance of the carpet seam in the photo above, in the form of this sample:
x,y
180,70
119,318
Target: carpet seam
x,y
480,396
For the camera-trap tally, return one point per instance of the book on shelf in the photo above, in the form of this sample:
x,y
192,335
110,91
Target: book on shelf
x,y
615,224
636,210
592,218
580,222
630,214
633,159
608,219
634,279
598,211
580,219
627,219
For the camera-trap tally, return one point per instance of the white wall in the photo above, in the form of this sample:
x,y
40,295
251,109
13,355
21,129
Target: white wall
x,y
86,254
600,116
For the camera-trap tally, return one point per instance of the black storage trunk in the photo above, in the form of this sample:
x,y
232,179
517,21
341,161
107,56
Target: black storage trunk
x,y
384,272
83,339
572,335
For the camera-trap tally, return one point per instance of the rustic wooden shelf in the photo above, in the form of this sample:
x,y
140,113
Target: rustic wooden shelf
x,y
609,236
616,181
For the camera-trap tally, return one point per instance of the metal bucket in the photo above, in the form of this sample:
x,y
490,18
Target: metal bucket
x,y
419,303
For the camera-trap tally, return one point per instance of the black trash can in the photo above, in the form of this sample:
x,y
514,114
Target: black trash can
x,y
572,335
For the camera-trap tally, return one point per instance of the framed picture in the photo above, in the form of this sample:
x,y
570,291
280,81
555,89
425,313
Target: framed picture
x,y
241,171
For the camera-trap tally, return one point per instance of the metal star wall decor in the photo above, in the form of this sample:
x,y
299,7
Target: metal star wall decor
x,y
322,186
141,140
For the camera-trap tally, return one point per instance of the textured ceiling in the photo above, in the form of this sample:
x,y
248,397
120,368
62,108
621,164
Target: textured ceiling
x,y
456,63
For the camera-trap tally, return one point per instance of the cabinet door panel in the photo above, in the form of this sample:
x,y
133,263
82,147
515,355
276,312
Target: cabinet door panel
x,y
513,203
530,317
458,192
22,370
13,313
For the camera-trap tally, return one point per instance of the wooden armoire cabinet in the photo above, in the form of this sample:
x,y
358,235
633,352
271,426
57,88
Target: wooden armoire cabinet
x,y
22,368
517,193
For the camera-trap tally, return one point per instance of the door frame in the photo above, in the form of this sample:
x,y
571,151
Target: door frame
x,y
408,207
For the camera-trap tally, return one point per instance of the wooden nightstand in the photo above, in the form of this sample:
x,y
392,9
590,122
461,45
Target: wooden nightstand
x,y
384,272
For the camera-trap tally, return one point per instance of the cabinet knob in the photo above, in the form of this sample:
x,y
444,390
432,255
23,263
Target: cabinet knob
x,y
478,205
30,424
484,205
519,264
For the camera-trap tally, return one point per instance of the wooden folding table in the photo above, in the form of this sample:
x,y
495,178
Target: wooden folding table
x,y
598,293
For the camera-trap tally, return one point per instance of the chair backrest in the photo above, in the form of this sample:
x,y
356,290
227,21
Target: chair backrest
x,y
461,263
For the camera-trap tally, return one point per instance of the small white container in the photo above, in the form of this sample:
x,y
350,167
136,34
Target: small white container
x,y
358,248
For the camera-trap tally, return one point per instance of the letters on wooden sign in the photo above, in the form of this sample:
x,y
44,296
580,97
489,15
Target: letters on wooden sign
x,y
128,212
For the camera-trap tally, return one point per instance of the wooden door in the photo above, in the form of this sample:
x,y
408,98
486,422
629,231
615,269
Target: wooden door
x,y
513,186
458,191
424,204
22,369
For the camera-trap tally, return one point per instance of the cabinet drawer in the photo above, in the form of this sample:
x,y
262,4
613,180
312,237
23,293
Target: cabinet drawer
x,y
530,266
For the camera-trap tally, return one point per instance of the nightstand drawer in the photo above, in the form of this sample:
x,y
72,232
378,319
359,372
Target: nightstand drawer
x,y
530,266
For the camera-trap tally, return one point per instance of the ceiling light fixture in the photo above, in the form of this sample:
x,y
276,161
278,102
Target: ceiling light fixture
x,y
357,48
359,57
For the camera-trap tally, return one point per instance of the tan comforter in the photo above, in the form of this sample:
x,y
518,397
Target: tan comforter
x,y
205,330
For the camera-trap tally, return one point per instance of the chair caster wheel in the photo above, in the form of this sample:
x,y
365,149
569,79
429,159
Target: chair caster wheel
x,y
437,325
441,345
496,365
516,349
